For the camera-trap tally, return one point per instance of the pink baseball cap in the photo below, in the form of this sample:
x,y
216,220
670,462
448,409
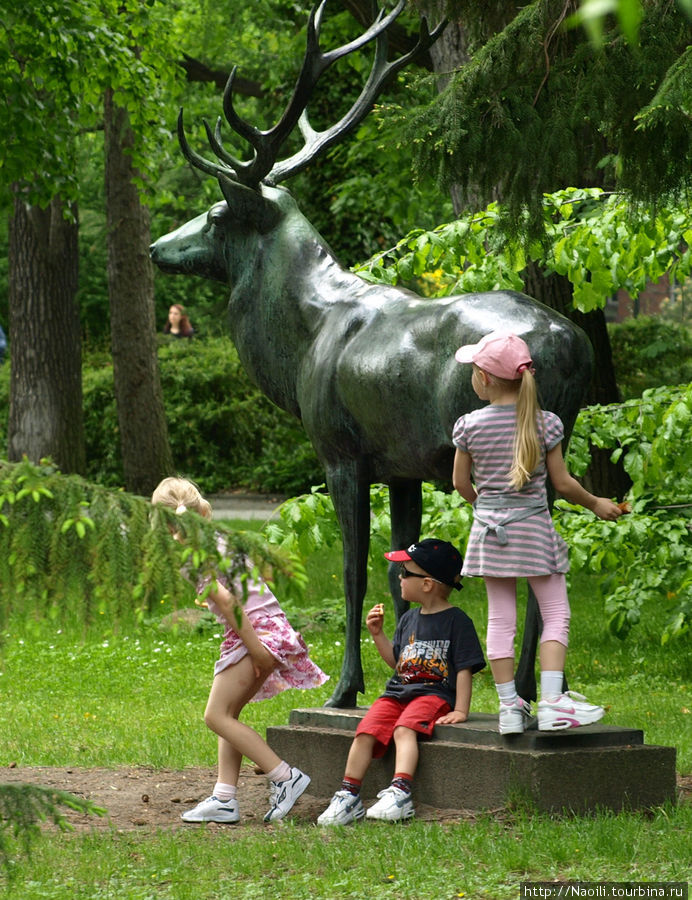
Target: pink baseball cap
x,y
499,353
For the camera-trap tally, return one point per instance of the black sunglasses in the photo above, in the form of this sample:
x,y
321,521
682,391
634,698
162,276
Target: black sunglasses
x,y
405,573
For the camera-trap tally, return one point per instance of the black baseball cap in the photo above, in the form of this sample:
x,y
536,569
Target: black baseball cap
x,y
440,559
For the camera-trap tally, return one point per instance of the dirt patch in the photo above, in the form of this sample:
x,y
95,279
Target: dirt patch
x,y
141,798
148,799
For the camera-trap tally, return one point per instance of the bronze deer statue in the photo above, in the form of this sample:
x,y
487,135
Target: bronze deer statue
x,y
368,369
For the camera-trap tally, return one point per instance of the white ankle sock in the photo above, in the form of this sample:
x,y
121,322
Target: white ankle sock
x,y
280,773
551,685
507,692
225,792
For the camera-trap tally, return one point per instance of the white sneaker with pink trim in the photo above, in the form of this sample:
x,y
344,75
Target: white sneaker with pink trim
x,y
570,710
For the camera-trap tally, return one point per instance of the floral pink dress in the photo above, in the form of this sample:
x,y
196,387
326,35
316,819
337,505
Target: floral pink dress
x,y
294,668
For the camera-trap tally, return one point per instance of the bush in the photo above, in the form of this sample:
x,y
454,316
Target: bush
x,y
649,352
645,559
4,406
104,463
224,433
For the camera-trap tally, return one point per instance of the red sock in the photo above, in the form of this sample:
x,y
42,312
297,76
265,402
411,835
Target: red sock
x,y
403,781
352,785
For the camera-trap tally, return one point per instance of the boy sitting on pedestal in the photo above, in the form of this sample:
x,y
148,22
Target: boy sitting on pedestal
x,y
434,652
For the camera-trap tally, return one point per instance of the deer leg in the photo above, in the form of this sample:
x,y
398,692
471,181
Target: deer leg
x,y
405,510
350,493
525,677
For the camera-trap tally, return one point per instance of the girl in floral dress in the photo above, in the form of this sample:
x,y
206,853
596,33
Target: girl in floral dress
x,y
261,655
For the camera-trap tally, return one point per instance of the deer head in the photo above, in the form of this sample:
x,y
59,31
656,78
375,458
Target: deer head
x,y
263,167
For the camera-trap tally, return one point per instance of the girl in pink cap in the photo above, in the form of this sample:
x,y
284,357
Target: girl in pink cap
x,y
504,452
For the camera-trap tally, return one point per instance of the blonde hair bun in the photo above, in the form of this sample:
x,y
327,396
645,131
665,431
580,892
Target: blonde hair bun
x,y
180,494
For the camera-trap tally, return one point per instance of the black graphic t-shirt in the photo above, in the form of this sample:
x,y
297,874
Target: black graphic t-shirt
x,y
430,650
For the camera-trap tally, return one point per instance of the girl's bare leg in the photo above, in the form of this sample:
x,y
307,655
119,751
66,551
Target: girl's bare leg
x,y
231,690
229,760
552,656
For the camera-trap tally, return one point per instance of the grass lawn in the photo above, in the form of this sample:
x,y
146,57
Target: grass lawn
x,y
112,699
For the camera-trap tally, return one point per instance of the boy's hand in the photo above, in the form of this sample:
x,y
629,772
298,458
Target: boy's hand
x,y
451,718
375,618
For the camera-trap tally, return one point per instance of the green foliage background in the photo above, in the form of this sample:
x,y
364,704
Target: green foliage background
x,y
647,559
649,352
539,107
597,240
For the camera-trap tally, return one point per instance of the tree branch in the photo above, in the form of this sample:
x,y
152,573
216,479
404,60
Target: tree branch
x,y
196,70
400,40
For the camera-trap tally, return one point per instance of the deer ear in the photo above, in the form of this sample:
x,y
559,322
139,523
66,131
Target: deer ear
x,y
250,206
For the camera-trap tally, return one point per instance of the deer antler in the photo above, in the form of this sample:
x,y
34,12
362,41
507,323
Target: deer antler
x,y
266,144
317,142
199,162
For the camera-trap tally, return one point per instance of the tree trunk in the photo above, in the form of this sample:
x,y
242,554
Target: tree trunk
x,y
449,53
603,478
556,292
143,430
45,417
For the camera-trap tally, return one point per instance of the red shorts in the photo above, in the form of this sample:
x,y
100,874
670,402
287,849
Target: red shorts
x,y
386,713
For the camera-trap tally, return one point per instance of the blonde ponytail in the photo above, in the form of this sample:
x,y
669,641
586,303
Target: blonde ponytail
x,y
526,447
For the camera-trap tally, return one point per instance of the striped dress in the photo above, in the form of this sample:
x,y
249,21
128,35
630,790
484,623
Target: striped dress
x,y
529,546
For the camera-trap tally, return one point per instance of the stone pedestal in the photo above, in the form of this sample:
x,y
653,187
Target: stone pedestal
x,y
471,766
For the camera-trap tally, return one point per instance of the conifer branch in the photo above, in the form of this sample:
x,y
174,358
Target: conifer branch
x,y
76,551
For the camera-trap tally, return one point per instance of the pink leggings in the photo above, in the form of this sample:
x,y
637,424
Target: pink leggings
x,y
551,594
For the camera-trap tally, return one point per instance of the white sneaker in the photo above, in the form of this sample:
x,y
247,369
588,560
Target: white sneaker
x,y
283,794
570,710
392,805
213,810
514,717
344,809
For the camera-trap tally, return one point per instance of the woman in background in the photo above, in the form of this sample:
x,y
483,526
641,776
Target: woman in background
x,y
178,323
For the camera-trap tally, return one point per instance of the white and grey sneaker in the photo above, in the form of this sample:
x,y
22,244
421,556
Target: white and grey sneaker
x,y
343,809
213,810
283,794
392,805
515,717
